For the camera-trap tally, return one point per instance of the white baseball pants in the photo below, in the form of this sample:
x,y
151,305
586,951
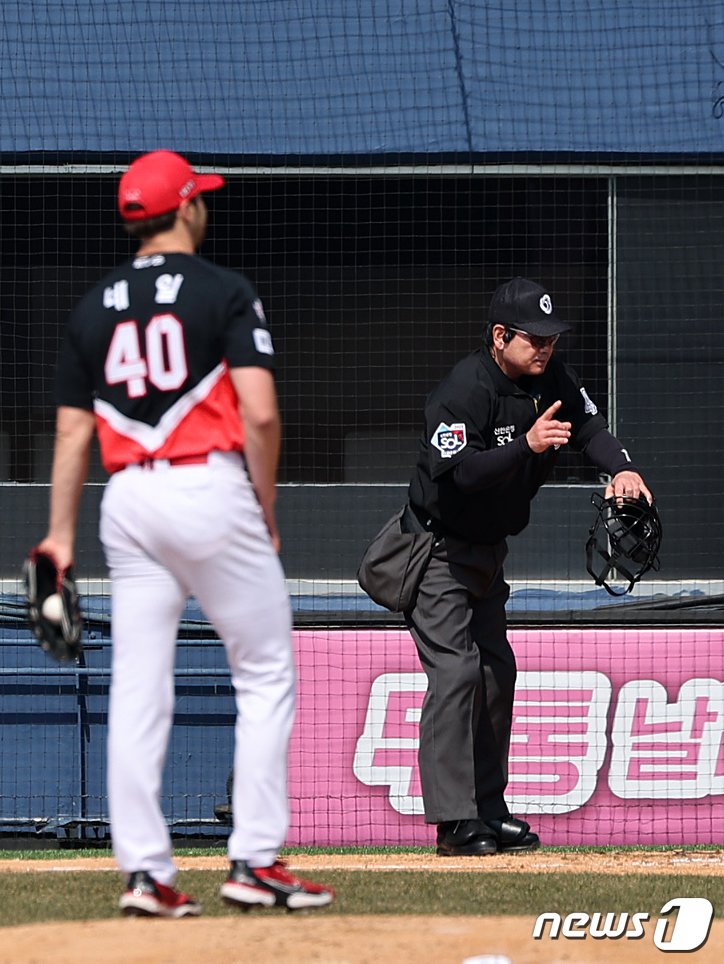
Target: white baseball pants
x,y
169,532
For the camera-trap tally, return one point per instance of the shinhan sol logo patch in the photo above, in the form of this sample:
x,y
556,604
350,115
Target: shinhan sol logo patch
x,y
449,439
504,434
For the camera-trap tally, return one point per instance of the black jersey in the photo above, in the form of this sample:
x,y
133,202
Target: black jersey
x,y
478,408
149,349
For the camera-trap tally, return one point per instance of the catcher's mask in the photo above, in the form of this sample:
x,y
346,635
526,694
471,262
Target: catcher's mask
x,y
624,542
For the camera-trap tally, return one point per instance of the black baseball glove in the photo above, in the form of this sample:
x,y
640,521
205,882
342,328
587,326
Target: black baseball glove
x,y
53,607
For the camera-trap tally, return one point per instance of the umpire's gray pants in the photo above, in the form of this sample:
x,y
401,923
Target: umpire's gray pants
x,y
459,625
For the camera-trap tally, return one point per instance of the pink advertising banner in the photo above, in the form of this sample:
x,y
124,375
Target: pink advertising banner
x,y
618,737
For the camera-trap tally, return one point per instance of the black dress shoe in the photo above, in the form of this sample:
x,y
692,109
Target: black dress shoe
x,y
465,838
513,836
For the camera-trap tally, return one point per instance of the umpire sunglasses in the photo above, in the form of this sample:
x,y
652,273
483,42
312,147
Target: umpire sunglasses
x,y
537,341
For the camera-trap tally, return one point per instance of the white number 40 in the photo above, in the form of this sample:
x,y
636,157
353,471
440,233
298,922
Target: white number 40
x,y
164,364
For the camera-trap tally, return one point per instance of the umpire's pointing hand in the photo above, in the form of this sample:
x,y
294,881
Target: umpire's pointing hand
x,y
546,431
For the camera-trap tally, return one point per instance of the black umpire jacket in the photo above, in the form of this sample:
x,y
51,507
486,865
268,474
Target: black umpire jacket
x,y
477,408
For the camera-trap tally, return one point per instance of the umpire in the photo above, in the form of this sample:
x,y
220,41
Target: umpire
x,y
493,428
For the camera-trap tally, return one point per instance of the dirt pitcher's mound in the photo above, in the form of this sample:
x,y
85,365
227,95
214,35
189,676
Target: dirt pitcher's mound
x,y
324,939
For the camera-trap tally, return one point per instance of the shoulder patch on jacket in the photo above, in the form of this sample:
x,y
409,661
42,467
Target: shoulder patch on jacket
x,y
449,439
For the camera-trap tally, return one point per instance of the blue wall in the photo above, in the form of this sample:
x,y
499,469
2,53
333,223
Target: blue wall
x,y
325,77
54,727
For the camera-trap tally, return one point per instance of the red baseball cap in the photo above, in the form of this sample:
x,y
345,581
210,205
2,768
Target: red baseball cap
x,y
158,182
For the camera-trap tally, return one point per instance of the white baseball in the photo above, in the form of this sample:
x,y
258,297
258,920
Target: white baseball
x,y
53,608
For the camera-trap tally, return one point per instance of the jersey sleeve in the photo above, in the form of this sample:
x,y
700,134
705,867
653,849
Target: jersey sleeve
x,y
578,408
247,339
73,379
456,429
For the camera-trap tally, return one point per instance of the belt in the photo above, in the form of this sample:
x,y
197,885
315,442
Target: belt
x,y
190,459
178,460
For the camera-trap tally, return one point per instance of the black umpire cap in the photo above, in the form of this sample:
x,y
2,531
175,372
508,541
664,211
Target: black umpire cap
x,y
525,305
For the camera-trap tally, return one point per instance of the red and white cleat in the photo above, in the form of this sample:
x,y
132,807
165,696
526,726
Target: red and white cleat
x,y
145,897
272,886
